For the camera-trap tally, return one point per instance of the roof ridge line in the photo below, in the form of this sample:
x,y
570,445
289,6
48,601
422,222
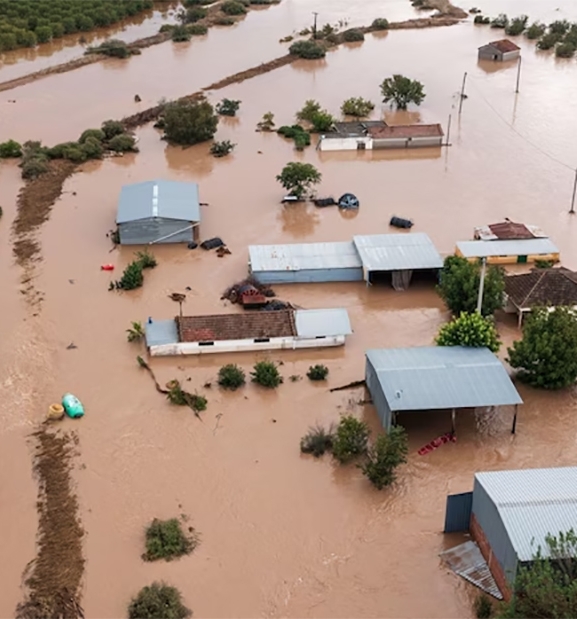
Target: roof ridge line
x,y
542,275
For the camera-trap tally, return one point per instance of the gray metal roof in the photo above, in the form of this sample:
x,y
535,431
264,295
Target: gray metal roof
x,y
442,377
533,503
521,247
298,257
160,332
396,252
167,199
322,322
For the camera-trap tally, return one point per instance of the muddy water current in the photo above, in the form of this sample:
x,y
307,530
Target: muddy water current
x,y
282,535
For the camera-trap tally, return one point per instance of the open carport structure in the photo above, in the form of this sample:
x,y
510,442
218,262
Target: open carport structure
x,y
437,378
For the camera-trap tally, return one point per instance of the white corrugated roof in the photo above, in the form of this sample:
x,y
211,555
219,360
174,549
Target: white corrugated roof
x,y
533,503
521,247
397,252
322,322
301,256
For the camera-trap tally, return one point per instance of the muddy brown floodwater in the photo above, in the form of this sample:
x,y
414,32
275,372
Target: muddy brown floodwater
x,y
282,535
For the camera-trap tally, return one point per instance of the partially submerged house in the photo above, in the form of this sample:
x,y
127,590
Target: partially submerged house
x,y
540,287
437,378
508,231
372,135
366,257
501,50
158,211
249,331
509,252
509,515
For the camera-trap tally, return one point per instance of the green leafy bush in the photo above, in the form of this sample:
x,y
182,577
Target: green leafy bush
x,y
113,47
479,19
548,41
535,30
517,25
323,121
318,372
34,167
194,14
231,7
180,34
146,259
189,122
132,277
501,21
112,128
92,148
227,107
197,29
231,377
298,178
357,106
389,451
309,50
565,50
380,24
483,607
267,122
97,134
317,441
266,374
177,395
222,149
469,329
135,333
123,143
165,539
308,110
225,20
10,150
350,440
158,601
353,35
559,26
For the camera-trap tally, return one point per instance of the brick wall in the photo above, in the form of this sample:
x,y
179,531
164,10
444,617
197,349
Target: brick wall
x,y
487,552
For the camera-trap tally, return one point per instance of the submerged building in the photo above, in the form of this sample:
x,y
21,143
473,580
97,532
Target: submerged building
x,y
501,50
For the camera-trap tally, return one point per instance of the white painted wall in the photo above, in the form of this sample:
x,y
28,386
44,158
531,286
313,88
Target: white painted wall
x,y
345,143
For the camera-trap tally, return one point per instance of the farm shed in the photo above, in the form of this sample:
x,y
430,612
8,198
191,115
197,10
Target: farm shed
x,y
158,212
305,263
509,252
540,287
510,513
398,254
264,330
436,378
499,50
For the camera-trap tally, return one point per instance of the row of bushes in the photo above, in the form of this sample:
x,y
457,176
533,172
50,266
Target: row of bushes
x,y
264,373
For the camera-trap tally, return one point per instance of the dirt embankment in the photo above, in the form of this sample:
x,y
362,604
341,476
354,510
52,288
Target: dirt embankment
x,y
54,577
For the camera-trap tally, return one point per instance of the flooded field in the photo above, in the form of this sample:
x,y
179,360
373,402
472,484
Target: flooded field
x,y
282,535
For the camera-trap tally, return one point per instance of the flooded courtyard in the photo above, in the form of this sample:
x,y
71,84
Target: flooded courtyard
x,y
283,535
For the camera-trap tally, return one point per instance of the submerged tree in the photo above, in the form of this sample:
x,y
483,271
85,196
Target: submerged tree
x,y
400,91
189,122
469,330
158,601
298,178
388,452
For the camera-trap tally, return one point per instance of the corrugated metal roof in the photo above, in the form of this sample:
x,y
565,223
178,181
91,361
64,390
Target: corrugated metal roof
x,y
521,247
322,322
159,332
395,252
442,377
533,503
167,199
298,257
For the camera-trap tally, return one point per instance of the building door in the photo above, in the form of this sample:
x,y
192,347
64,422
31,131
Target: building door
x,y
458,512
361,146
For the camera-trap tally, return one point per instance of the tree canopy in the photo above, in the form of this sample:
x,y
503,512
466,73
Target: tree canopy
x,y
189,122
400,91
298,178
469,330
546,356
459,286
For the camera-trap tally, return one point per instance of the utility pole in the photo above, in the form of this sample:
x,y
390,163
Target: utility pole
x,y
462,96
518,74
572,211
448,131
315,25
481,286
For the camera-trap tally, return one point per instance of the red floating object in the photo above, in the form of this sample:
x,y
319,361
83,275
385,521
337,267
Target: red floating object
x,y
107,267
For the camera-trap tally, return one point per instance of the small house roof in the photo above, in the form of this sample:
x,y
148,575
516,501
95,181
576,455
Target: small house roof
x,y
159,198
503,45
397,252
522,247
543,287
406,131
322,322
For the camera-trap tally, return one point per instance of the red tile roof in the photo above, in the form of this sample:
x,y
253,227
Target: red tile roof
x,y
508,230
249,325
543,287
406,131
504,46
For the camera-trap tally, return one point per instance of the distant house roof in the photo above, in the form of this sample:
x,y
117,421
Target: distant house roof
x,y
397,252
302,256
533,503
524,247
503,45
543,287
158,198
406,131
442,377
508,230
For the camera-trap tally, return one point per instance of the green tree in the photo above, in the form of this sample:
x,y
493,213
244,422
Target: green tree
x,y
546,356
565,50
266,374
389,451
298,178
189,122
469,330
548,41
559,26
517,25
228,107
165,539
357,106
44,34
231,377
350,439
322,121
459,286
232,7
10,150
111,128
400,91
353,35
380,23
309,50
308,110
535,30
547,587
158,601
501,21
123,143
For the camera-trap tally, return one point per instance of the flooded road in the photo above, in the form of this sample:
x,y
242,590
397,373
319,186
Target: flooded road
x,y
286,535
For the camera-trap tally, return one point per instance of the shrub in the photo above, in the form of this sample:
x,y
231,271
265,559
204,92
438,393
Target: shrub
x,y
123,143
565,50
559,27
483,607
74,152
384,457
380,24
322,121
501,21
308,50
197,2
92,149
57,151
165,539
180,34
189,122
543,264
227,107
112,128
231,7
302,140
535,30
222,149
357,106
469,330
197,29
158,601
308,111
146,259
350,439
301,137
113,47
10,149
231,377
517,25
131,277
194,14
225,20
266,374
34,167
267,122
97,134
353,35
317,441
135,333
318,372
479,19
177,395
548,41
1,212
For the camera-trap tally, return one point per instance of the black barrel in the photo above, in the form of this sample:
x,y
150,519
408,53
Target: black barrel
x,y
400,222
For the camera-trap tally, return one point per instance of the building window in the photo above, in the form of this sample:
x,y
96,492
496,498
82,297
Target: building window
x,y
206,343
